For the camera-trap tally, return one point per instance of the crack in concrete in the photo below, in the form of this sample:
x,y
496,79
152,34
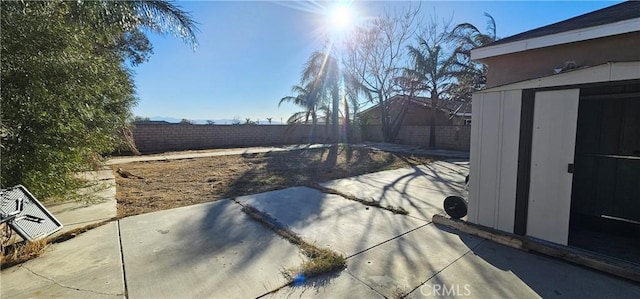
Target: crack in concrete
x,y
370,203
447,266
124,272
348,257
389,240
364,283
68,287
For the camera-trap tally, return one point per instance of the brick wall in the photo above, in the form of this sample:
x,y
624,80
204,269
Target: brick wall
x,y
168,137
447,137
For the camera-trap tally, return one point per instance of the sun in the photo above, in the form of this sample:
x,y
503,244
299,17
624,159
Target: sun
x,y
340,16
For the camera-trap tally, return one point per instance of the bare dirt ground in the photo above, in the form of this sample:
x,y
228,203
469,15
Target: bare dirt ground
x,y
176,183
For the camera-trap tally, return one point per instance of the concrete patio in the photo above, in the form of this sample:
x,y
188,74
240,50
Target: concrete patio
x,y
215,250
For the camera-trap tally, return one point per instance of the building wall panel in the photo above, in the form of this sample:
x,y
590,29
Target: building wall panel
x,y
494,155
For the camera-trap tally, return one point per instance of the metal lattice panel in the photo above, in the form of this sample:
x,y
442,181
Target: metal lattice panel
x,y
32,220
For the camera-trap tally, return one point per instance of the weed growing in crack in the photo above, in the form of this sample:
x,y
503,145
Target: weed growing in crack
x,y
371,203
19,253
22,252
321,260
399,293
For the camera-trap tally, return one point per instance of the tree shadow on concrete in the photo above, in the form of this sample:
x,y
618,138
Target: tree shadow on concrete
x,y
307,287
405,187
218,230
202,251
494,270
419,189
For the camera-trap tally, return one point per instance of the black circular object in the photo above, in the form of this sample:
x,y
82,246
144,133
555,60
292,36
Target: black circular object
x,y
455,206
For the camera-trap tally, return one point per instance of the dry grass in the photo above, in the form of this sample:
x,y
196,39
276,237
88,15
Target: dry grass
x,y
371,203
22,252
176,183
321,260
80,230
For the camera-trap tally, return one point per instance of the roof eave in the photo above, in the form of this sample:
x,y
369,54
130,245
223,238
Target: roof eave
x,y
626,26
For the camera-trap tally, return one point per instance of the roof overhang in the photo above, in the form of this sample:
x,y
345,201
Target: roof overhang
x,y
566,37
608,72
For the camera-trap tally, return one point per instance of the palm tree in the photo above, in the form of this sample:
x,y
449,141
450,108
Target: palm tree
x,y
165,17
321,83
305,97
472,76
302,99
159,16
470,36
322,72
433,69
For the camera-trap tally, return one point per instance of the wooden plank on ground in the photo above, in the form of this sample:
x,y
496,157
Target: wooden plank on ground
x,y
601,263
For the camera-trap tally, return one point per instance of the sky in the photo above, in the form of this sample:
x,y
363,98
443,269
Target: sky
x,y
250,53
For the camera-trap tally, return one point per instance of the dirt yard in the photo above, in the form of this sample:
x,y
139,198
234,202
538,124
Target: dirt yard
x,y
176,183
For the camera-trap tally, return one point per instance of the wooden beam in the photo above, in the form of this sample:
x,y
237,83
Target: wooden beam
x,y
584,258
479,230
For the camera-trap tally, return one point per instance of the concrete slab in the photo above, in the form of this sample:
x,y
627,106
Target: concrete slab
x,y
447,175
406,262
209,250
388,147
216,153
340,285
495,271
413,149
420,190
98,202
95,176
88,266
332,221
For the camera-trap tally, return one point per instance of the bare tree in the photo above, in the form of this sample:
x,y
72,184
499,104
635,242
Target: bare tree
x,y
376,58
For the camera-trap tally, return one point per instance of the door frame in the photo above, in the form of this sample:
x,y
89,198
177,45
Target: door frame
x,y
526,142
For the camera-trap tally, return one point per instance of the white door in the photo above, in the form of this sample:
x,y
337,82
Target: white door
x,y
554,136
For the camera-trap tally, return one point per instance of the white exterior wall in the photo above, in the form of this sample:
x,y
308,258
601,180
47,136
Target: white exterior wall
x,y
495,139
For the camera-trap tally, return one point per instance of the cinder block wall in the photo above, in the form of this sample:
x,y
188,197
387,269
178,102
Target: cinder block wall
x,y
150,138
447,137
169,137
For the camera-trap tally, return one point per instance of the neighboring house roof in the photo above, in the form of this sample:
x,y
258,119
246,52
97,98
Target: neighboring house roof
x,y
617,19
458,108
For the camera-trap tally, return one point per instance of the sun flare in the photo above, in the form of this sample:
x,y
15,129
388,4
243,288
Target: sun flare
x,y
341,16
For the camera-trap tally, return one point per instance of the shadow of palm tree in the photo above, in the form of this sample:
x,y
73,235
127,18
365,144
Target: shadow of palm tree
x,y
220,227
494,270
